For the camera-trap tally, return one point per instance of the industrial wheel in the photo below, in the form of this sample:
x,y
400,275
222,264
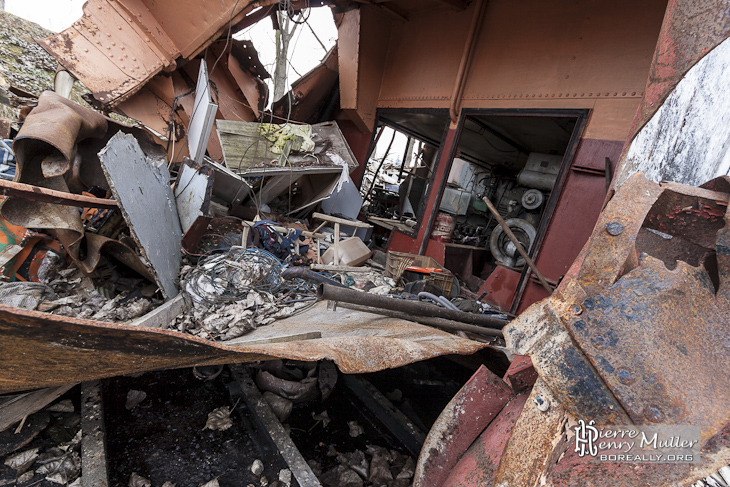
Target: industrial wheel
x,y
503,250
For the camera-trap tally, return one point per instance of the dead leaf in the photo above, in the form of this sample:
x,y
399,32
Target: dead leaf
x,y
61,469
22,461
65,406
323,416
212,483
355,429
168,484
279,406
134,398
219,419
138,481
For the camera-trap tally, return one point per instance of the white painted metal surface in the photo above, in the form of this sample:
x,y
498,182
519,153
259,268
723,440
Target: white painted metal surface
x,y
688,138
201,122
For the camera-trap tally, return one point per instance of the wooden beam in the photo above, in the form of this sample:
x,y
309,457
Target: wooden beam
x,y
343,221
263,415
44,195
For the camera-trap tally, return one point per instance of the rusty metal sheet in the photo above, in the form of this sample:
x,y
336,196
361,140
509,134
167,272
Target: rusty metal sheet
x,y
39,349
467,414
649,330
119,45
313,94
521,374
628,316
534,440
61,139
479,463
691,28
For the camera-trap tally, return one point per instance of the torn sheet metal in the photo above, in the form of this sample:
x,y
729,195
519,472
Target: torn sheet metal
x,y
117,47
193,190
313,97
39,350
691,29
57,149
637,330
202,117
142,188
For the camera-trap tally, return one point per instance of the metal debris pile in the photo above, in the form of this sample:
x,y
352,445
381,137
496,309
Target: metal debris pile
x,y
237,291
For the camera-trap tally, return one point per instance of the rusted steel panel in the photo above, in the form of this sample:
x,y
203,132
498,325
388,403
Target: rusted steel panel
x,y
510,65
119,45
691,29
39,349
521,374
479,463
462,420
534,439
57,149
312,96
651,328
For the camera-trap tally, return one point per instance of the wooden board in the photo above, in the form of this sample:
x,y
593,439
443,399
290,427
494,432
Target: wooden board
x,y
244,147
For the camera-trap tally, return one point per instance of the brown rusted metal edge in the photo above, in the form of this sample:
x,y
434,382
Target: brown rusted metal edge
x,y
45,195
470,411
40,350
691,29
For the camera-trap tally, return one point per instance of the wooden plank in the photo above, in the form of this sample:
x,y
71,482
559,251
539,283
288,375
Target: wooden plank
x,y
142,188
36,193
93,439
164,315
392,418
342,221
283,229
244,147
290,453
22,405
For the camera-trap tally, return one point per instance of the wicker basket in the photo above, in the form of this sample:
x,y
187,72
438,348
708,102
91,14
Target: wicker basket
x,y
397,262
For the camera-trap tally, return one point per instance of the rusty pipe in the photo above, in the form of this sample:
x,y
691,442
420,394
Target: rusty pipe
x,y
413,308
309,276
449,325
466,59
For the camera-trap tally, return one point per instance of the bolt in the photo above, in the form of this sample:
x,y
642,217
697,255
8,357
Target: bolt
x,y
576,309
653,414
542,403
626,377
599,341
614,228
